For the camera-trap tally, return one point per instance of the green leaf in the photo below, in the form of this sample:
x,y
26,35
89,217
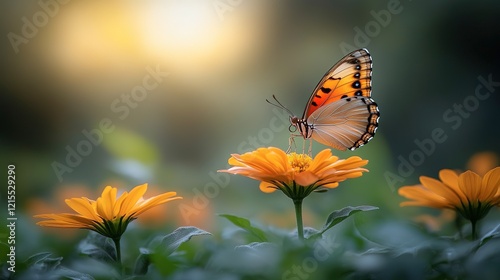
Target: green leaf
x,y
163,246
66,273
98,247
494,233
37,257
256,246
246,225
309,231
43,266
143,261
48,264
172,241
338,216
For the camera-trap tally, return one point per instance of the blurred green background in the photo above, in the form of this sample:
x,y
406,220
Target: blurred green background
x,y
69,67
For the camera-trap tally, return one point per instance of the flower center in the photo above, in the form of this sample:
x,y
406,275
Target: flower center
x,y
299,162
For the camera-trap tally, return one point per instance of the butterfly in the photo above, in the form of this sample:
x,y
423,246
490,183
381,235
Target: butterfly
x,y
340,112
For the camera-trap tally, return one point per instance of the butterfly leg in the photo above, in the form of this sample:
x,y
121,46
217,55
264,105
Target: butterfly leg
x,y
309,151
291,142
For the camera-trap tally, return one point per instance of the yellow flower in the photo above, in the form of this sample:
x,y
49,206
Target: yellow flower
x,y
108,215
468,193
297,175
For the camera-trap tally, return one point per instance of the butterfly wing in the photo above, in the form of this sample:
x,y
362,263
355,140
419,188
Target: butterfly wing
x,y
349,77
348,123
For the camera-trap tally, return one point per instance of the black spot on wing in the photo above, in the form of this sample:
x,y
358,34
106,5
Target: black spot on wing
x,y
325,90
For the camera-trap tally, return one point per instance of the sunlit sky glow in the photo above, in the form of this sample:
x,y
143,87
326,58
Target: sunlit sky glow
x,y
180,34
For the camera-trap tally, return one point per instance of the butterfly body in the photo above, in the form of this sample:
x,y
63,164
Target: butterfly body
x,y
340,112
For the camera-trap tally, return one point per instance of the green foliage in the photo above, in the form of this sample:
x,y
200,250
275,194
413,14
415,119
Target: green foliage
x,y
43,266
98,247
388,249
338,216
246,225
494,233
161,247
370,247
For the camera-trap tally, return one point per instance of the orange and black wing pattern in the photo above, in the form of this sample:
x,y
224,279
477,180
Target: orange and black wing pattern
x,y
351,76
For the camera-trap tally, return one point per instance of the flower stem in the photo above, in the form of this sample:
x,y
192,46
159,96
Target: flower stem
x,y
298,215
458,225
474,233
118,250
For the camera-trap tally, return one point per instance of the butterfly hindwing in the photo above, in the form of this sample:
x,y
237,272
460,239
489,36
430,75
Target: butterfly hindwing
x,y
349,77
348,123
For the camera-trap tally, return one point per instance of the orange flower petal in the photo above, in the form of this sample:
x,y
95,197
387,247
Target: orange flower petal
x,y
422,195
470,183
65,220
491,185
267,187
330,185
349,163
106,203
306,178
130,200
450,179
83,207
322,160
154,201
437,187
425,203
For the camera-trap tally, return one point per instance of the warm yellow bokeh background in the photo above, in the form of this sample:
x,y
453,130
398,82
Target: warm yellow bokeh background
x,y
83,63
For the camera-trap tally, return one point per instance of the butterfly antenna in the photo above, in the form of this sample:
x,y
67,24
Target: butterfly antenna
x,y
279,105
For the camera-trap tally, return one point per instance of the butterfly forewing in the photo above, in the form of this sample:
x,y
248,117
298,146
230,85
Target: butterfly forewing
x,y
349,77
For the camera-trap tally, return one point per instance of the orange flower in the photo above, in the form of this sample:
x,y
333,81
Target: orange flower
x,y
297,175
108,215
468,193
482,162
435,223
